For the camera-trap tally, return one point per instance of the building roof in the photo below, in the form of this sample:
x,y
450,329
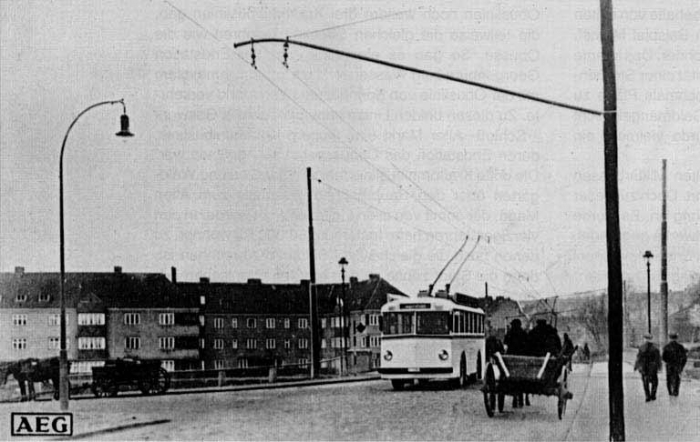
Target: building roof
x,y
113,290
254,296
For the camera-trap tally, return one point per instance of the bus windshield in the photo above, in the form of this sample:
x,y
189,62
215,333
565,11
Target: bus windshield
x,y
432,323
422,323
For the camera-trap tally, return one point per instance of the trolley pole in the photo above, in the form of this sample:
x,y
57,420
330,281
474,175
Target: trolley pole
x,y
612,221
663,338
313,312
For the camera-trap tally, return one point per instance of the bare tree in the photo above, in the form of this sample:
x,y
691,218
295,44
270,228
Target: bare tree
x,y
593,316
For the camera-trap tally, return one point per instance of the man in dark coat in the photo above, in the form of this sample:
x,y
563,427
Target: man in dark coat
x,y
493,344
543,339
649,363
516,341
675,356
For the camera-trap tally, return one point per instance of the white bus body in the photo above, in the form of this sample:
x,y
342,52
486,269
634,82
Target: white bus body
x,y
431,338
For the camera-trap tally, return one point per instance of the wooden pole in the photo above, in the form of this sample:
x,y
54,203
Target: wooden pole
x,y
663,338
612,218
313,312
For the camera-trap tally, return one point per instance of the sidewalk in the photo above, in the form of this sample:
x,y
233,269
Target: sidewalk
x,y
666,419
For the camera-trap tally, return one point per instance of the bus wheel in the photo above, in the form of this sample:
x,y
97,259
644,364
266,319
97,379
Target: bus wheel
x,y
398,384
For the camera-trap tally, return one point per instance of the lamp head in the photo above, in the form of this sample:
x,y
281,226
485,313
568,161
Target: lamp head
x,y
343,262
648,254
125,127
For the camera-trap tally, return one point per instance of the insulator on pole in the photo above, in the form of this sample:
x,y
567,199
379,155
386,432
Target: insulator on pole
x,y
252,54
286,53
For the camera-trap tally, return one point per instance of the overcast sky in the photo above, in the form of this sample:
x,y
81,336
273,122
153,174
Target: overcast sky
x,y
214,182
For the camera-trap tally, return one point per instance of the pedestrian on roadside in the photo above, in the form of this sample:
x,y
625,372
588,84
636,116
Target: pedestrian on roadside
x,y
586,352
675,356
493,344
649,363
568,349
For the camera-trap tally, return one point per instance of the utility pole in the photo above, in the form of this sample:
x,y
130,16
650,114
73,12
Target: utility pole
x,y
664,284
313,311
612,222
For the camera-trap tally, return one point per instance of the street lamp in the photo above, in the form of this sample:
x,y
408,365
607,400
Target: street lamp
x,y
63,354
344,357
648,256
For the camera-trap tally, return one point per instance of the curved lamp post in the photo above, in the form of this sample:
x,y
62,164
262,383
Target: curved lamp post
x,y
648,256
63,355
344,358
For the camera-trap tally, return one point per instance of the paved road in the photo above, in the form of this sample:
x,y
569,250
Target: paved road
x,y
373,411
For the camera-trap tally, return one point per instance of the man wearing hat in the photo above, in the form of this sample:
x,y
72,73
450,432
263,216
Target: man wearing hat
x,y
649,363
675,356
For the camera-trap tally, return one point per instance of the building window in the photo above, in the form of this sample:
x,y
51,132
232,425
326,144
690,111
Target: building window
x,y
55,343
270,323
242,363
323,343
219,364
218,344
21,297
270,344
234,343
251,343
202,320
55,319
132,318
373,319
218,322
168,365
363,342
286,322
202,344
234,322
251,323
19,344
44,297
166,318
132,343
287,343
375,341
335,322
91,343
91,319
19,319
303,323
202,300
303,362
323,322
303,343
166,343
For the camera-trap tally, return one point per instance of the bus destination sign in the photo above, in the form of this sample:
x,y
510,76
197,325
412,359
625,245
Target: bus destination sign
x,y
414,306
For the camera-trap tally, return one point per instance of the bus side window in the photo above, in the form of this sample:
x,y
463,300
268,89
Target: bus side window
x,y
381,323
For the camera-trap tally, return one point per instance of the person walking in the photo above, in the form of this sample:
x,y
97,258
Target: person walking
x,y
568,349
649,363
675,356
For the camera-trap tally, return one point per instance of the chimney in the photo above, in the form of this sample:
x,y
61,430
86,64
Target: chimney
x,y
117,269
254,281
204,280
353,281
19,270
447,288
173,275
373,276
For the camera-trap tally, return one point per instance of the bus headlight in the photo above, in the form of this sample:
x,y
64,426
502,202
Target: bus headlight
x,y
443,355
388,356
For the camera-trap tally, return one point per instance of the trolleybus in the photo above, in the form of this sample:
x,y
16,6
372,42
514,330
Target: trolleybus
x,y
431,337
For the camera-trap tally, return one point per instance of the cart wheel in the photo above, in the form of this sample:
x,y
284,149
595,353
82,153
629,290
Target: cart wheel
x,y
563,393
489,390
163,381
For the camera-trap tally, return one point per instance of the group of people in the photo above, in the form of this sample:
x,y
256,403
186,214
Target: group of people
x,y
649,361
542,339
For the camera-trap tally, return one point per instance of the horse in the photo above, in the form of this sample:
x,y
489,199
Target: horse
x,y
31,370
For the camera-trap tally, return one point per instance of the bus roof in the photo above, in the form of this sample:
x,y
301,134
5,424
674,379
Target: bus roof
x,y
427,303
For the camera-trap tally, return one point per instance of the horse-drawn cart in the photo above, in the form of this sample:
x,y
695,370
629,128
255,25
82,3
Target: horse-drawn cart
x,y
514,375
147,376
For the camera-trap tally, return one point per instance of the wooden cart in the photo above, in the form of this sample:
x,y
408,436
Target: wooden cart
x,y
147,376
513,375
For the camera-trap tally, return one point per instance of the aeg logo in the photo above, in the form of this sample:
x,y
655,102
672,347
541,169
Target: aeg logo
x,y
42,424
